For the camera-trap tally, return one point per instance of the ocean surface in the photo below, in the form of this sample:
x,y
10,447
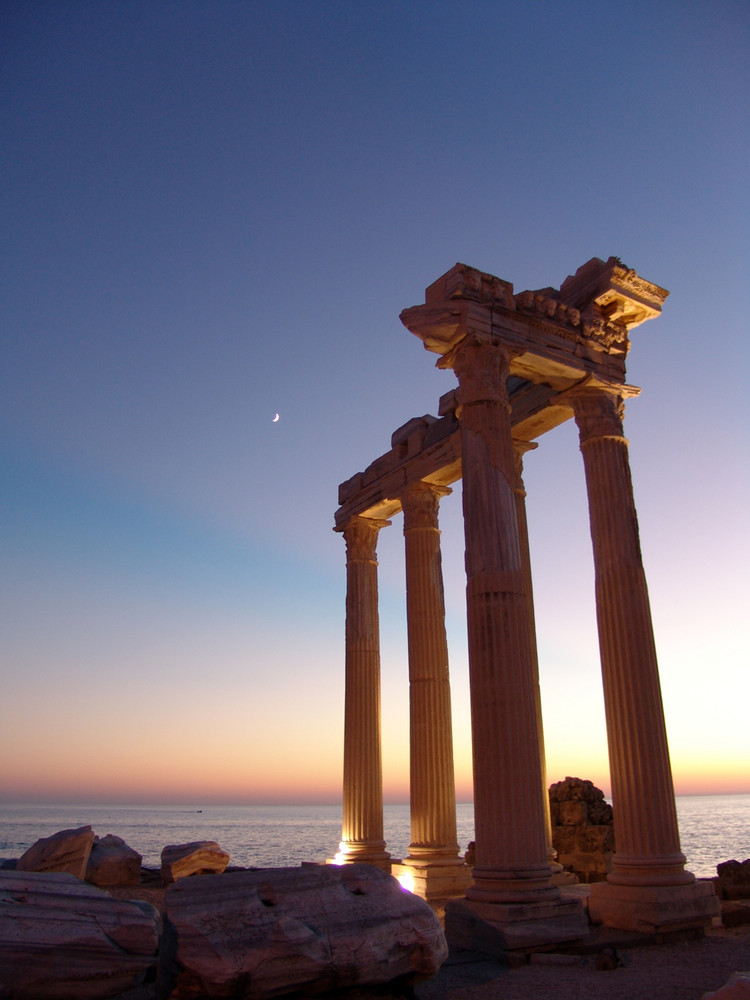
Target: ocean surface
x,y
713,828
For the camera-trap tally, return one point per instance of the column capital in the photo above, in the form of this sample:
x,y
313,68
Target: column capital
x,y
482,366
598,407
420,501
361,536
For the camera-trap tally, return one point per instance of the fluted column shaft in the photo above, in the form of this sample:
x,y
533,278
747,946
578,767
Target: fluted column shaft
x,y
362,832
433,796
646,834
519,450
511,856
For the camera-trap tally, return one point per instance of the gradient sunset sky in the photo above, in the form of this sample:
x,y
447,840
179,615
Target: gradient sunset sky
x,y
213,213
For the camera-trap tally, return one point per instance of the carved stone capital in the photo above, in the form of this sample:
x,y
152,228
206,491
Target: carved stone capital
x,y
420,502
598,412
482,366
361,537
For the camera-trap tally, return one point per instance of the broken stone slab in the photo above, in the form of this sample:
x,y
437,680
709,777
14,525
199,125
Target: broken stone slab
x,y
203,857
64,939
112,863
65,851
263,933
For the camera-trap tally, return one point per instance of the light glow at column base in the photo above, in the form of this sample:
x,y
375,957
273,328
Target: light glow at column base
x,y
406,881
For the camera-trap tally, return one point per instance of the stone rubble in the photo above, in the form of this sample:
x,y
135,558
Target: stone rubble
x,y
582,828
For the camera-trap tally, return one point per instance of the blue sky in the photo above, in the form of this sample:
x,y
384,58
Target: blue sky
x,y
215,212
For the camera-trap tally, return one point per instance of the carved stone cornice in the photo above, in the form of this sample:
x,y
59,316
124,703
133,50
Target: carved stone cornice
x,y
616,292
361,537
420,502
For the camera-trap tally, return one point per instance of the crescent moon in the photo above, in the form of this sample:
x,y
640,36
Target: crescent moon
x,y
275,419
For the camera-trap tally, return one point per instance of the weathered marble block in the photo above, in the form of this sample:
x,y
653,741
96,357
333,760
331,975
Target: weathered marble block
x,y
263,933
65,940
65,851
203,857
112,862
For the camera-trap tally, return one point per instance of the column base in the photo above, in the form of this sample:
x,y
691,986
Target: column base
x,y
653,909
433,880
362,854
496,928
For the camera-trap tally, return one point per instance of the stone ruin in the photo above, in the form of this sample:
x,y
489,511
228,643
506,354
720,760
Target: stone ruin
x,y
583,834
525,362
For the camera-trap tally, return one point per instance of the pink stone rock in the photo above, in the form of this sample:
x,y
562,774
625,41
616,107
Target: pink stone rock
x,y
112,862
62,939
203,857
264,933
66,851
737,987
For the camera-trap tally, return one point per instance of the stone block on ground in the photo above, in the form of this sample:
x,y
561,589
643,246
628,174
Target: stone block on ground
x,y
63,939
734,879
203,857
263,933
112,863
65,851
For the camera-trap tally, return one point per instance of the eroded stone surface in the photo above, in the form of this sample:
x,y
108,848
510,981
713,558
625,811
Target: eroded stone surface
x,y
112,862
263,933
203,857
65,851
61,938
582,828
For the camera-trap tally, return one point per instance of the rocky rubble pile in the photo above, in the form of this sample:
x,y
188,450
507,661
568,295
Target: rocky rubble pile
x,y
245,934
582,828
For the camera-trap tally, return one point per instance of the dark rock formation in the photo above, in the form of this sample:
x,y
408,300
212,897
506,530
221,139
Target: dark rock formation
x,y
734,879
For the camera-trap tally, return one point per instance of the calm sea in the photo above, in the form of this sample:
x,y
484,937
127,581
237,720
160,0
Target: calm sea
x,y
713,828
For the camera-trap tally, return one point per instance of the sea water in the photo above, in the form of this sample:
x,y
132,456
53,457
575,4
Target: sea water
x,y
713,828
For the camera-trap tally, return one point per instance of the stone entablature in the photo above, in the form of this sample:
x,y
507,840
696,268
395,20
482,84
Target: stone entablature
x,y
555,345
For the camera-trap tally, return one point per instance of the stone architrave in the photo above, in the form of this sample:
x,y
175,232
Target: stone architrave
x,y
648,887
512,898
433,867
362,830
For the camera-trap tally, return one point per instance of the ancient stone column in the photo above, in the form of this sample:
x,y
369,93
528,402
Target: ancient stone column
x,y
519,450
362,832
433,868
512,888
648,856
